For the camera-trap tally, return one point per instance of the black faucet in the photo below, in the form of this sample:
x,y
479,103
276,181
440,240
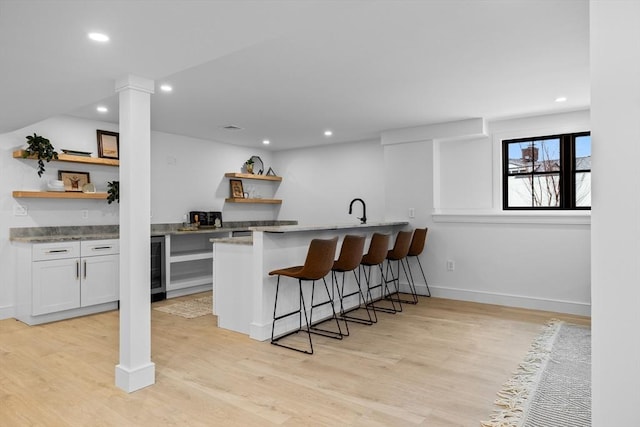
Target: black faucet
x,y
363,220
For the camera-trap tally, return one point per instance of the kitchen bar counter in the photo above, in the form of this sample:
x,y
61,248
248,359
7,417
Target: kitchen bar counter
x,y
244,291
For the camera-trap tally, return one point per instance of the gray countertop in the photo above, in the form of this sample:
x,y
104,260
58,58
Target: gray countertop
x,y
99,232
295,228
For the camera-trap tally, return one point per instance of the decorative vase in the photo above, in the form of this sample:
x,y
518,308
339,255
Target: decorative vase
x,y
249,167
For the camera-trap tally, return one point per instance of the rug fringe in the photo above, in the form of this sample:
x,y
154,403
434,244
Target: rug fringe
x,y
513,397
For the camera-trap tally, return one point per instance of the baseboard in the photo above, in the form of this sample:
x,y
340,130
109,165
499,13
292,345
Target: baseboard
x,y
557,306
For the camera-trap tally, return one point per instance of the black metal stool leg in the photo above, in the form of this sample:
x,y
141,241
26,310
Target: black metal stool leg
x,y
301,308
319,331
423,276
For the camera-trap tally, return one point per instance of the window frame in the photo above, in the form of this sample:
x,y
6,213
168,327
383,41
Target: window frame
x,y
567,172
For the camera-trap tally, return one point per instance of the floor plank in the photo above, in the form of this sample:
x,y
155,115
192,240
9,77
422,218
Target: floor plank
x,y
438,363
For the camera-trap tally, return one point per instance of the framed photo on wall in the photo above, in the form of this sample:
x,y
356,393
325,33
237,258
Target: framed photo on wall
x,y
108,144
237,191
73,181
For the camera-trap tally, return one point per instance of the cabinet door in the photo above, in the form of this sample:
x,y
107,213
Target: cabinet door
x,y
100,280
55,286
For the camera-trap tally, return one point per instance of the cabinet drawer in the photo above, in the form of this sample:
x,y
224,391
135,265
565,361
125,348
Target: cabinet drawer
x,y
58,250
100,247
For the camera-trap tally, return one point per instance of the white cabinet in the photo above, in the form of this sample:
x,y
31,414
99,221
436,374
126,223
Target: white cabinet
x,y
56,286
100,267
69,279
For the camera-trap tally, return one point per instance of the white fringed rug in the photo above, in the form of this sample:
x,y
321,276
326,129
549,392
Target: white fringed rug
x,y
552,386
190,309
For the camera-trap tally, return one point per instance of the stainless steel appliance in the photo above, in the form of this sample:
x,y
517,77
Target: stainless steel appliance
x,y
158,269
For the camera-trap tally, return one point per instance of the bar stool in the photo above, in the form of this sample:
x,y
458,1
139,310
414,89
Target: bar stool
x,y
376,255
399,254
316,266
349,260
416,248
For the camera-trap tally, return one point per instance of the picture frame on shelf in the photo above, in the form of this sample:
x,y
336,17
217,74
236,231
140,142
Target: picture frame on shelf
x,y
237,192
74,181
108,144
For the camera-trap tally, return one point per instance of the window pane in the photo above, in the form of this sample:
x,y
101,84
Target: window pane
x,y
546,190
583,153
547,155
519,191
583,189
520,157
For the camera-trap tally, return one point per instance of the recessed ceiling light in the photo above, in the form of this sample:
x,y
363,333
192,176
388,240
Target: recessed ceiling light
x,y
561,99
266,142
166,88
328,133
102,109
99,37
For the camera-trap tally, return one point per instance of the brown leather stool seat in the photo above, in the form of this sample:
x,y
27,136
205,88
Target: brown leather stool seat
x,y
317,265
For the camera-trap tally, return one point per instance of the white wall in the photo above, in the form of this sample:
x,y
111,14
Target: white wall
x,y
187,174
615,94
319,183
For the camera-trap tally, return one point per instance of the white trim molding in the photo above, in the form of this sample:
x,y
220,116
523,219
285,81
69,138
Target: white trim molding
x,y
514,217
545,304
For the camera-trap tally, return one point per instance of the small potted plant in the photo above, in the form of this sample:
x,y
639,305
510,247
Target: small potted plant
x,y
249,165
42,149
113,191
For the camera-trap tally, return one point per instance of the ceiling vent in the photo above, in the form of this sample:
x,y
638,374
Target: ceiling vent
x,y
231,127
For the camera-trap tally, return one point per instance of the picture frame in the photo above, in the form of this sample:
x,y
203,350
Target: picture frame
x,y
108,144
74,181
237,192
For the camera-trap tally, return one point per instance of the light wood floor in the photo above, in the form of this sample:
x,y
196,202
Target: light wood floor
x,y
439,363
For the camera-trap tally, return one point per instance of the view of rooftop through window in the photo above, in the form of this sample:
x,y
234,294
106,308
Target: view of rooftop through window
x,y
551,172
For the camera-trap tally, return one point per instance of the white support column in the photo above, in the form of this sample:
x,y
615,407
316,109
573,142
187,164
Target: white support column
x,y
135,369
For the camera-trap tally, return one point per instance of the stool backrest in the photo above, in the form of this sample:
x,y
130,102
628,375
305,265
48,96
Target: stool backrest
x,y
350,253
418,241
401,246
319,259
378,249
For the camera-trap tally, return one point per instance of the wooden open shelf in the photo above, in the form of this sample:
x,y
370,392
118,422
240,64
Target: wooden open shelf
x,y
58,195
263,201
252,176
18,154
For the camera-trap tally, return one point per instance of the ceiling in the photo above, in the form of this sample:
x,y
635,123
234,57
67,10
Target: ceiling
x,y
288,70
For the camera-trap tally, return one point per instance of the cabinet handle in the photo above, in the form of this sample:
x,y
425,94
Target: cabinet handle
x,y
77,269
57,251
100,248
85,269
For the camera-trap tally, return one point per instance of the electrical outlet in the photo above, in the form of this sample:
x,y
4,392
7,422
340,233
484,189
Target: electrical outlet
x,y
412,213
19,210
85,214
451,265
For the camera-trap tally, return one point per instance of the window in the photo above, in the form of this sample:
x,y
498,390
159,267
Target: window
x,y
547,172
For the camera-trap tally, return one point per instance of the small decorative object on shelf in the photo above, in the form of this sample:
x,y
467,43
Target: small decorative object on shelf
x,y
271,172
108,144
73,181
113,191
237,191
248,165
42,149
